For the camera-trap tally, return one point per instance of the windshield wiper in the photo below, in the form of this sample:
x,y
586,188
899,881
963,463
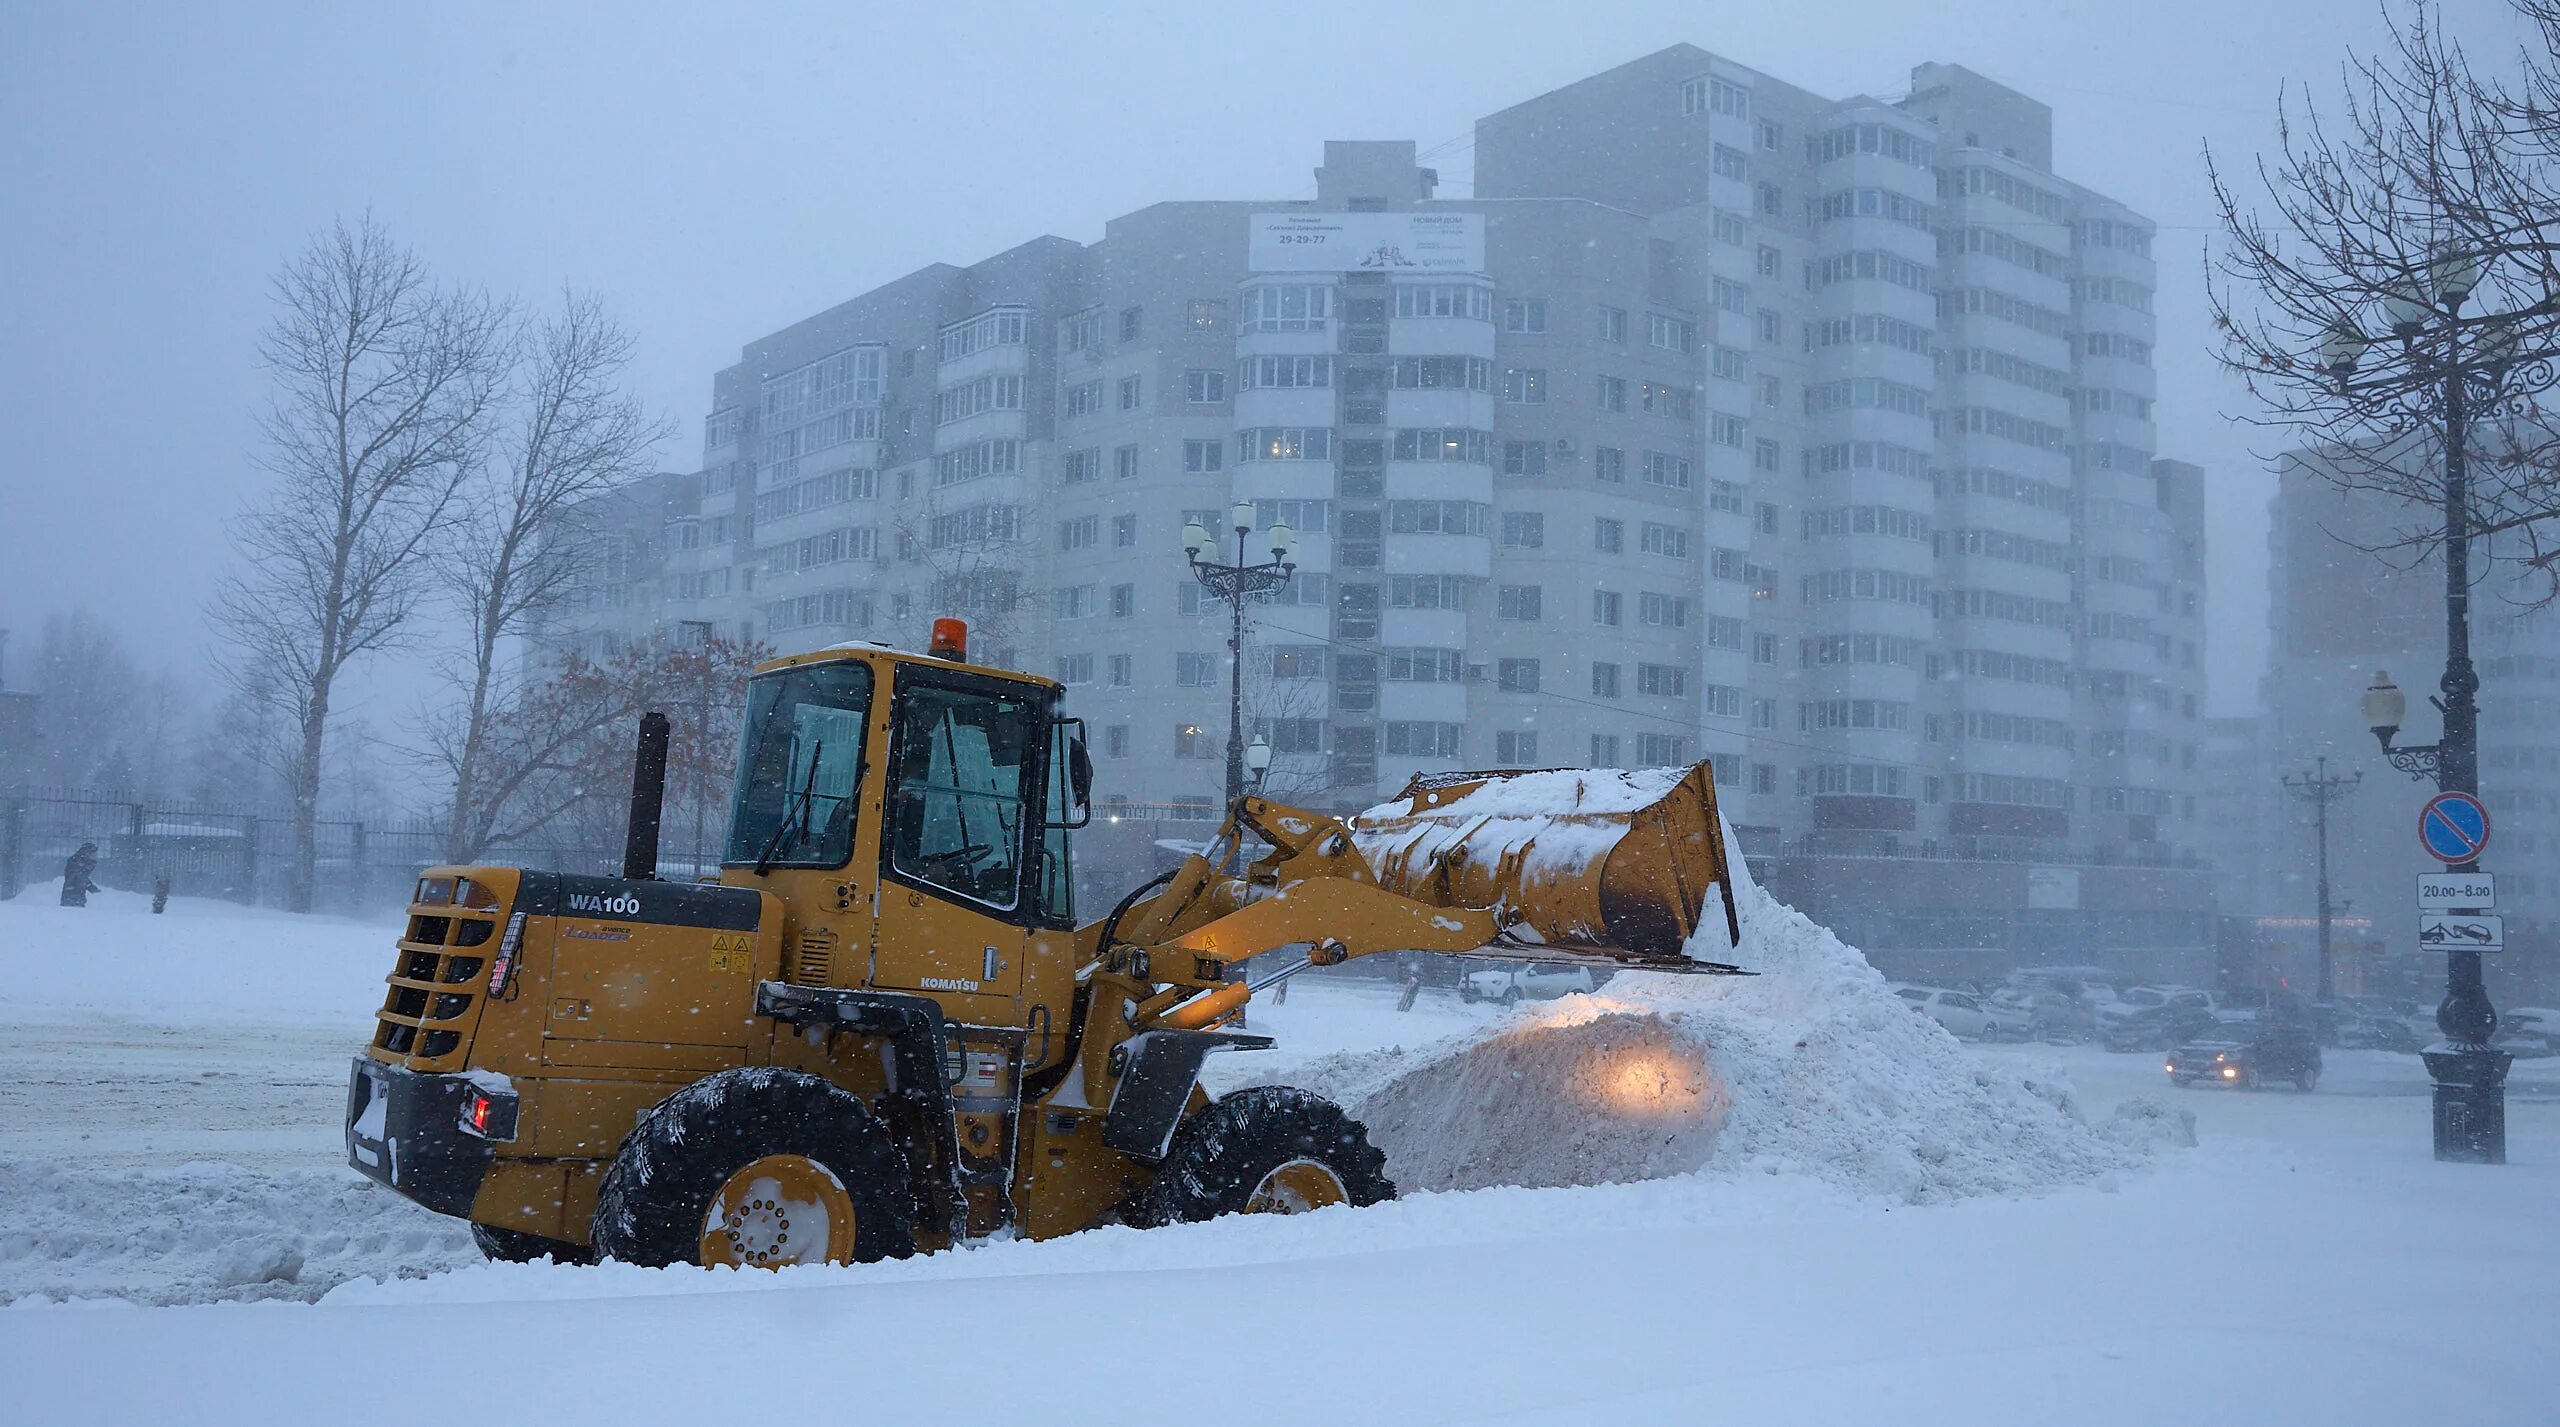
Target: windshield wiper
x,y
808,790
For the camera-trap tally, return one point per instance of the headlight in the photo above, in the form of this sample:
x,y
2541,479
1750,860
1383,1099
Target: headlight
x,y
2230,1072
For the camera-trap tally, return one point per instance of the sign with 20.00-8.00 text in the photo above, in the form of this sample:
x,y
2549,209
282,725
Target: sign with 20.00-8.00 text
x,y
2457,892
1366,242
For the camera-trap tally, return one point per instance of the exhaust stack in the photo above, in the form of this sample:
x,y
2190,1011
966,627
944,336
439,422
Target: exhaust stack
x,y
648,799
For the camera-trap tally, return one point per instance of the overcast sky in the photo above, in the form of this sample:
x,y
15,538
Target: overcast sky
x,y
717,171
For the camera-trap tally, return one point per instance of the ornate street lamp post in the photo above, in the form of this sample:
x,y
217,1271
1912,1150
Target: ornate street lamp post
x,y
2453,368
1235,584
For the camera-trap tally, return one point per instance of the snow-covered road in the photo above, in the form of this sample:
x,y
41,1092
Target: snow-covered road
x,y
169,1091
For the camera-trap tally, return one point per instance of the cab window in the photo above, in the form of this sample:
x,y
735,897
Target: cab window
x,y
961,760
800,767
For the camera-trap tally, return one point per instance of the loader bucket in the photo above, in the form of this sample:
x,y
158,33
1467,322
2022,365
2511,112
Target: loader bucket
x,y
1616,862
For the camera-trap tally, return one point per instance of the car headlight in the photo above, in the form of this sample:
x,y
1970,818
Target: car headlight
x,y
2230,1072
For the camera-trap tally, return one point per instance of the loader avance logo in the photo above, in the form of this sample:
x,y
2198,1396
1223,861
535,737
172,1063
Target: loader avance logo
x,y
620,904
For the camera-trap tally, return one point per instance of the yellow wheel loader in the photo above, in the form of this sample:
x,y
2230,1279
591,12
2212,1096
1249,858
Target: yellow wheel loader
x,y
882,1031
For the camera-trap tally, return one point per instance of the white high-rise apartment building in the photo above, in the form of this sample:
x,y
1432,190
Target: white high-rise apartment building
x,y
1811,435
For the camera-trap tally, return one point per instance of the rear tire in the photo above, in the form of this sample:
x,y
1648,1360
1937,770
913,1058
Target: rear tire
x,y
718,1170
515,1246
1269,1149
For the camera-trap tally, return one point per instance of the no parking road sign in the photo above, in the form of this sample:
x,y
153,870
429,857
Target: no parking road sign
x,y
2453,827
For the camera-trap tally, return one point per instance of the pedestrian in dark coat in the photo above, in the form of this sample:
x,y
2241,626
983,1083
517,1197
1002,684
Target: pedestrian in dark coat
x,y
80,875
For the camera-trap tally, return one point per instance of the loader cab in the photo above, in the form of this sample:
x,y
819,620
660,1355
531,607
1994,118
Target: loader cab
x,y
915,812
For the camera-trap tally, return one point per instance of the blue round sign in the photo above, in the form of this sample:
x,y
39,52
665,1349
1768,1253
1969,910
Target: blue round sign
x,y
2453,827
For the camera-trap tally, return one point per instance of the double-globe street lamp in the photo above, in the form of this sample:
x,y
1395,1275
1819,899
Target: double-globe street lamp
x,y
1235,584
2453,370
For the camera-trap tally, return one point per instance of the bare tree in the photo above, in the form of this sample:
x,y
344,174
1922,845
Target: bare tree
x,y
384,382
977,554
555,751
570,432
2400,283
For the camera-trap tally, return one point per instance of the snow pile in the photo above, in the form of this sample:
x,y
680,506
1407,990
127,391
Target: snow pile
x,y
1811,1067
206,1232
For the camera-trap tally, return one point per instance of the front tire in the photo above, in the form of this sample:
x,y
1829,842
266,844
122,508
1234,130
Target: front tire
x,y
1271,1149
756,1168
2307,1079
516,1246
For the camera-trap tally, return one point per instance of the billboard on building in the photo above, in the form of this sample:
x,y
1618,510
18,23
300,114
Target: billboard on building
x,y
1377,242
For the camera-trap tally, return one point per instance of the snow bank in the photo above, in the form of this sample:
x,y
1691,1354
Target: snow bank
x,y
208,1232
1811,1067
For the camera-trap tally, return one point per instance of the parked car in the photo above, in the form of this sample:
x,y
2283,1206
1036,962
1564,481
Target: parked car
x,y
1961,1012
2154,1017
2359,1028
2067,1004
2245,1053
2529,1032
1531,981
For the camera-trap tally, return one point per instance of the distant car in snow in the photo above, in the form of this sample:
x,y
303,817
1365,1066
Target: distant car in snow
x,y
2246,1052
1961,1012
2529,1032
1533,981
2154,1017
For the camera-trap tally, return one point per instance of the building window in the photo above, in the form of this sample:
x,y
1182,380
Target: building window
x,y
1608,536
1191,740
1203,456
1287,307
1524,384
1613,325
1124,531
1770,136
1129,323
1518,603
1078,467
1518,676
1115,741
1075,668
1205,314
1608,463
1661,750
1769,327
1613,393
1608,607
1666,470
1084,398
1194,671
1081,533
1764,454
1203,387
1524,458
1524,530
1666,681
1662,611
1516,747
1415,739
1726,161
1604,681
1764,649
1604,750
1670,334
1524,315
1124,462
1121,673
1130,391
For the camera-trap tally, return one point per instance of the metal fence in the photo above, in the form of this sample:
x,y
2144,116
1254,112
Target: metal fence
x,y
241,853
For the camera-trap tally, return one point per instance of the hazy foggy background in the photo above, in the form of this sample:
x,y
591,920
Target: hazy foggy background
x,y
716,172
